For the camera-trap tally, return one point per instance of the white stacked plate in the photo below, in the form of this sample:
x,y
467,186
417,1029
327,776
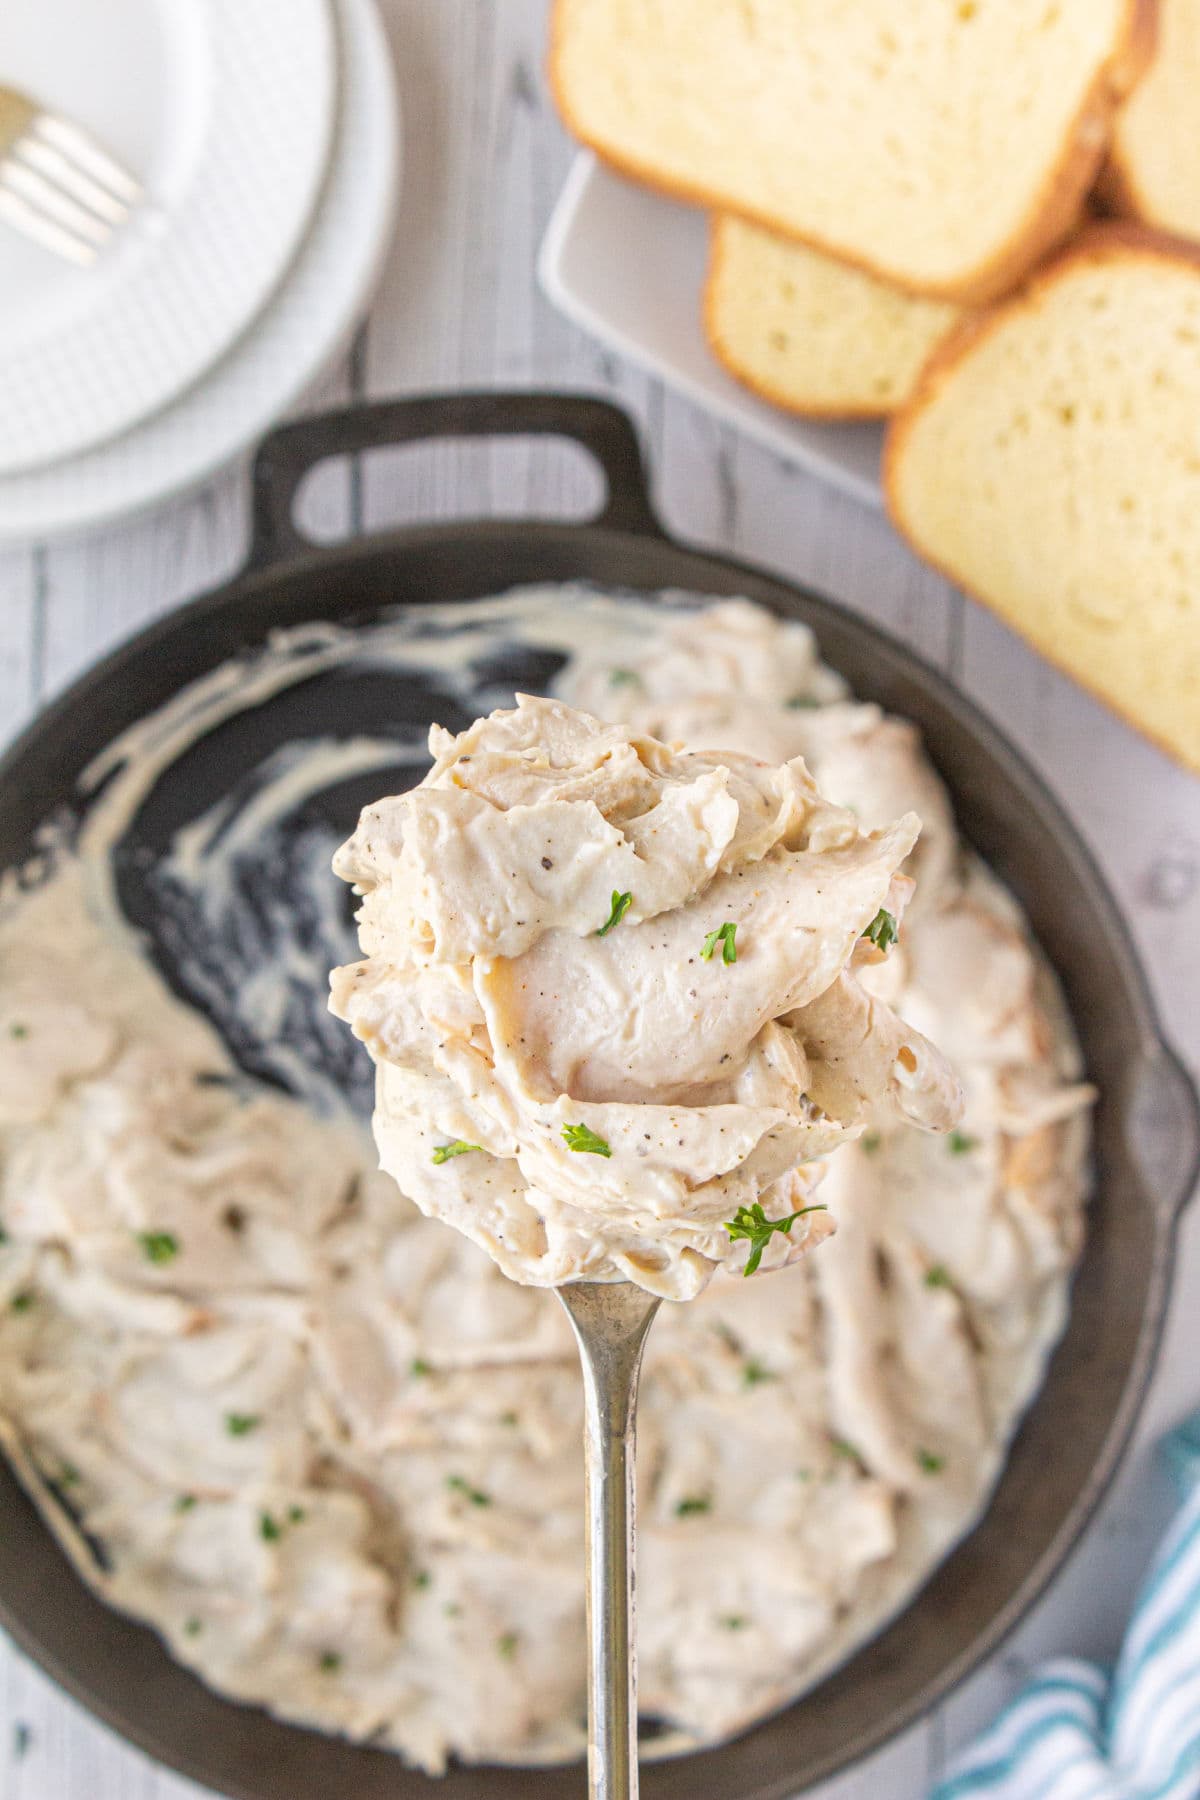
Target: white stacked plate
x,y
266,136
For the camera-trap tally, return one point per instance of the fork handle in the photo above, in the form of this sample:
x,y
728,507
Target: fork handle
x,y
610,1321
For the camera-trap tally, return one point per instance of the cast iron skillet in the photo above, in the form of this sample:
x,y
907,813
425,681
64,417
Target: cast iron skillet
x,y
1147,1122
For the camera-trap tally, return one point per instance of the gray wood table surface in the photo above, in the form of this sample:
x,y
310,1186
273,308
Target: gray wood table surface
x,y
458,305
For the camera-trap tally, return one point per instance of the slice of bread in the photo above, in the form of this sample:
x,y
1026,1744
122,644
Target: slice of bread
x,y
1050,464
943,144
811,333
1153,171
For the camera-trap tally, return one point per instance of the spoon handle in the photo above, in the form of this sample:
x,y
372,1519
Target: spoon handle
x,y
610,1321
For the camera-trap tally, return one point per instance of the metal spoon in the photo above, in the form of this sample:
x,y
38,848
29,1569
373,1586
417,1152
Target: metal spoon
x,y
610,1321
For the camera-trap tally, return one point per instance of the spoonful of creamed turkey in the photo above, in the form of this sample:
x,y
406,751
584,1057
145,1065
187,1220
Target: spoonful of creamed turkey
x,y
611,990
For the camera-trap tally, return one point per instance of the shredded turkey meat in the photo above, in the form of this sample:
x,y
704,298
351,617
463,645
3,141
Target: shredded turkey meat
x,y
609,987
322,1444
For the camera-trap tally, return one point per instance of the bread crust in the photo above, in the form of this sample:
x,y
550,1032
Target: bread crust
x,y
717,235
1104,241
1051,217
1117,188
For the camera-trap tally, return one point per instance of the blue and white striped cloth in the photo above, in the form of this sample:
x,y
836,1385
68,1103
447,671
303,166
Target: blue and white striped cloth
x,y
1077,1732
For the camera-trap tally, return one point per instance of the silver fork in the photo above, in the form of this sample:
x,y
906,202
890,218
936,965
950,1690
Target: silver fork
x,y
56,184
610,1321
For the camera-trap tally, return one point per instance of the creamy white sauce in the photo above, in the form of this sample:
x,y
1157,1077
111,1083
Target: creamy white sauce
x,y
328,1450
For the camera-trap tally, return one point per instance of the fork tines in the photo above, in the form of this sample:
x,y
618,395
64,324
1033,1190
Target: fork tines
x,y
56,184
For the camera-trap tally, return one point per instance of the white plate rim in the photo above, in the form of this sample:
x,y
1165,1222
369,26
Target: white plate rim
x,y
752,416
45,504
154,323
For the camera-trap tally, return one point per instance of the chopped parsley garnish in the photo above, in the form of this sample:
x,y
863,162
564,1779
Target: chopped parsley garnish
x,y
623,678
870,1142
185,1503
619,906
723,935
929,1464
752,1223
458,1484
18,1031
508,1418
883,930
801,702
3,1235
938,1276
459,1147
692,1504
755,1373
330,1662
582,1137
194,1627
452,1609
159,1246
959,1143
422,1579
268,1530
69,1476
843,1447
733,1622
418,1366
21,1303
506,1645
240,1424
296,1515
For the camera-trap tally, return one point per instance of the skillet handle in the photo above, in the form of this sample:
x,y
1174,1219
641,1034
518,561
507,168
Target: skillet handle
x,y
286,456
1163,1128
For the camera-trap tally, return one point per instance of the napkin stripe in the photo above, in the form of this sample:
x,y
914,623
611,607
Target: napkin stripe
x,y
1074,1734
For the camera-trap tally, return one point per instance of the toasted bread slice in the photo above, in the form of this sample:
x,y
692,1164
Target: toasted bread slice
x,y
1049,463
944,145
1153,171
810,333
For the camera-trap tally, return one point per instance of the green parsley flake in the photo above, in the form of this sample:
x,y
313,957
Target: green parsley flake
x,y
938,1276
194,1627
452,1609
330,1662
929,1464
618,907
509,1418
21,1303
422,1579
755,1373
958,1143
296,1515
459,1147
691,1505
843,1447
870,1142
752,1223
185,1503
3,1235
241,1424
458,1484
723,935
801,703
623,678
418,1366
733,1622
18,1031
582,1137
883,930
268,1530
506,1645
159,1246
69,1476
